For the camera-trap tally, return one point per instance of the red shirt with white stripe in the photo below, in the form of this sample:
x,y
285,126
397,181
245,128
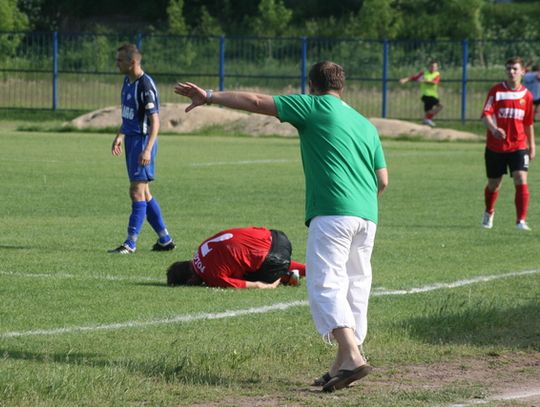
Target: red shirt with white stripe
x,y
223,259
512,111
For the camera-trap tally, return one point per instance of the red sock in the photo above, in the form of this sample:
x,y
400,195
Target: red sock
x,y
429,116
298,266
490,198
522,201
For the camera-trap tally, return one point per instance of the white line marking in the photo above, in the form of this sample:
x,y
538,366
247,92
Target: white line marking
x,y
459,283
244,162
164,321
502,397
81,276
249,311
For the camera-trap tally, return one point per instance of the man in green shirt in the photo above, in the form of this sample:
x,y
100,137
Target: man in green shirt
x,y
345,171
429,88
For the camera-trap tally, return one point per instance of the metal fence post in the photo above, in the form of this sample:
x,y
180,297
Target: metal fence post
x,y
139,41
464,79
303,65
222,62
386,46
54,70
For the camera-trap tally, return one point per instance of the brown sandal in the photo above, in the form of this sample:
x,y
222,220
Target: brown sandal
x,y
346,377
321,381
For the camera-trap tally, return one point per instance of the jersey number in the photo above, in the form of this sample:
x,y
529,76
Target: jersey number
x,y
205,248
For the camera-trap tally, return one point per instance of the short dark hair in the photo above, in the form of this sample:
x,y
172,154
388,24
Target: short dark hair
x,y
131,51
515,60
327,75
179,273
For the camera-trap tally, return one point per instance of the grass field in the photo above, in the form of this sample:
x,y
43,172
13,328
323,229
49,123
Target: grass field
x,y
81,327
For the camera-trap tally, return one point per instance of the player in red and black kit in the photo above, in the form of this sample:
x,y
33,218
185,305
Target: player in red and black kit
x,y
508,116
251,257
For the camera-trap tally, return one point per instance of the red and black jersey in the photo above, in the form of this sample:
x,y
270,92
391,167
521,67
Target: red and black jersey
x,y
512,111
223,259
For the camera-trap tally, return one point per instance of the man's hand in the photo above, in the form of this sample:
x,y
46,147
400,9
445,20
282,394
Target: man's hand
x,y
192,91
498,133
144,158
117,145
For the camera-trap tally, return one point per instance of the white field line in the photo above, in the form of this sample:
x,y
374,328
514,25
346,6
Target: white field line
x,y
248,311
243,162
501,397
81,276
459,283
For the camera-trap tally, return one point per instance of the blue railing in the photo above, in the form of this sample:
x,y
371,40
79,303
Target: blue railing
x,y
84,75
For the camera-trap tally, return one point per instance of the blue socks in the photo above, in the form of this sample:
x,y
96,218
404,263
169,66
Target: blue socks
x,y
136,220
154,217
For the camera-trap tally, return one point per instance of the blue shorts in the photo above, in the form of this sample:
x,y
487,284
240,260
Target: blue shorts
x,y
134,146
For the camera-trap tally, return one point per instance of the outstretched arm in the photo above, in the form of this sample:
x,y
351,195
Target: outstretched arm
x,y
260,284
248,101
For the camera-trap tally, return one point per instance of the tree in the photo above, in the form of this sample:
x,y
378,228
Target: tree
x,y
11,18
450,19
175,16
273,18
377,19
208,25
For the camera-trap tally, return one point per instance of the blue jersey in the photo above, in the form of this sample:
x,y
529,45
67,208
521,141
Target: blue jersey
x,y
140,99
531,82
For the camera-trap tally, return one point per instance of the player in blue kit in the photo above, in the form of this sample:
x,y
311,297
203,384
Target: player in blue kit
x,y
139,131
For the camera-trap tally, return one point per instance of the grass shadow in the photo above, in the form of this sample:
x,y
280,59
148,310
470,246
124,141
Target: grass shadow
x,y
170,367
479,325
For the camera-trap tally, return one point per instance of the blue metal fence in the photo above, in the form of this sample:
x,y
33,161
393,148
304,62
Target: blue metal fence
x,y
77,70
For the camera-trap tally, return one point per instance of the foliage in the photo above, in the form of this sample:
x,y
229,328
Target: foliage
x,y
11,19
208,25
376,19
510,21
366,19
452,19
177,23
273,19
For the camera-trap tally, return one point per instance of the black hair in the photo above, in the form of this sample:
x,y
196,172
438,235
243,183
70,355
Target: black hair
x,y
179,273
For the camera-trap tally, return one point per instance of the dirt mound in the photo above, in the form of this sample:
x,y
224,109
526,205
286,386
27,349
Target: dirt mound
x,y
175,119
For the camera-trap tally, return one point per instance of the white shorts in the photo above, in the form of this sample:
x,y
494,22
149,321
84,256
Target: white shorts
x,y
338,264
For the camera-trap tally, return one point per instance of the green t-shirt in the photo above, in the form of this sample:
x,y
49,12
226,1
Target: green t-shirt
x,y
430,89
340,151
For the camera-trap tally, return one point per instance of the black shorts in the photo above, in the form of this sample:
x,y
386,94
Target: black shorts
x,y
497,164
277,261
536,102
429,102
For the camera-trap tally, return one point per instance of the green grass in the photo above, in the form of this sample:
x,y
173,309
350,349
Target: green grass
x,y
65,202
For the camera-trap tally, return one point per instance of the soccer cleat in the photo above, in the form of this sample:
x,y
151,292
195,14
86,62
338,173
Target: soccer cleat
x,y
291,278
487,220
160,247
522,225
123,249
429,122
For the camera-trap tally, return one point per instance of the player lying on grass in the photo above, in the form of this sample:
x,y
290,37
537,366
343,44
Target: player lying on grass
x,y
251,257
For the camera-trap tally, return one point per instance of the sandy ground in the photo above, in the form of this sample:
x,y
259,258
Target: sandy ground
x,y
174,119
